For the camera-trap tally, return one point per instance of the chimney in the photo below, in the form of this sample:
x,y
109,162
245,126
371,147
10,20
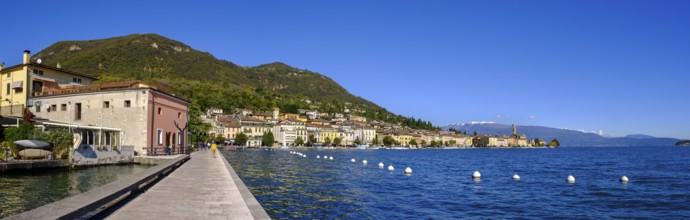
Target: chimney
x,y
27,56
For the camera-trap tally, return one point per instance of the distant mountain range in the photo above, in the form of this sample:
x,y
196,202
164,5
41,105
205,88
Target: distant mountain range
x,y
566,137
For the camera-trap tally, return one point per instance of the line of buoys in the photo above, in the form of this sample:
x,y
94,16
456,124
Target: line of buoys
x,y
570,179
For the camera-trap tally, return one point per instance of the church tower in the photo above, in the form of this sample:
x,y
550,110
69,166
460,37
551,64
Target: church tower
x,y
514,131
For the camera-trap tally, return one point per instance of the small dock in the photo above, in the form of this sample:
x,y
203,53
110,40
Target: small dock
x,y
203,188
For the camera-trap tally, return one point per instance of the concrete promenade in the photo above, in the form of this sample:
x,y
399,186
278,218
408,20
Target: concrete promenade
x,y
202,188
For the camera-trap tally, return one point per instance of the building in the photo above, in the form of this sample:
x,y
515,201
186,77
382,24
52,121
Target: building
x,y
150,120
30,79
287,131
254,129
231,127
365,134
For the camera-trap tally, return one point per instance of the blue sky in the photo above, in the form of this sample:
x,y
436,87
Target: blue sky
x,y
618,66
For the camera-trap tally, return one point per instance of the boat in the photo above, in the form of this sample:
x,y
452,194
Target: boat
x,y
362,147
34,153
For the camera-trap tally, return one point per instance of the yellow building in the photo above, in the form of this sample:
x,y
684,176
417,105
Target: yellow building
x,y
328,132
29,79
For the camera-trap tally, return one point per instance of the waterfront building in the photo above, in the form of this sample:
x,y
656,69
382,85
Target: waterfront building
x,y
287,131
29,79
365,134
230,127
254,129
150,120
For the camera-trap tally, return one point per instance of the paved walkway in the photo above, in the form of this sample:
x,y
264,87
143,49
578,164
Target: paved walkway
x,y
202,188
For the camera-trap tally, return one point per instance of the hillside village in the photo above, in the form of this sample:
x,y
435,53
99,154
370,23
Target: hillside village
x,y
116,120
309,128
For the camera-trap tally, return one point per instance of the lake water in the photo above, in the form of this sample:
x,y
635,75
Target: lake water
x,y
20,192
441,186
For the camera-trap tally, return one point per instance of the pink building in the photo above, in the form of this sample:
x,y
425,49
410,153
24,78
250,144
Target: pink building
x,y
111,115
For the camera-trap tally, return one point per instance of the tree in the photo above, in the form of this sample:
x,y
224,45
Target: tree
x,y
388,140
327,141
299,141
358,141
312,140
336,141
474,134
268,139
241,139
423,143
25,130
453,142
554,143
219,138
413,142
375,141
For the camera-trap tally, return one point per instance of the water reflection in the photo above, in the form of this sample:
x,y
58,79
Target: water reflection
x,y
24,191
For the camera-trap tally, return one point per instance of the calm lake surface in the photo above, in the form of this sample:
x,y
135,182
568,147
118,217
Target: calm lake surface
x,y
20,192
441,186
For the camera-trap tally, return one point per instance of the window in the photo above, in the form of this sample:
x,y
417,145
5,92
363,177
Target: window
x,y
160,110
8,88
128,103
38,72
76,80
160,136
38,108
63,107
179,115
77,111
106,104
53,108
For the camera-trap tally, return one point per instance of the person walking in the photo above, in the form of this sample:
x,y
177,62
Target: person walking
x,y
213,149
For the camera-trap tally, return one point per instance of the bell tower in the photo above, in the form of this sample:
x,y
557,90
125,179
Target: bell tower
x,y
514,131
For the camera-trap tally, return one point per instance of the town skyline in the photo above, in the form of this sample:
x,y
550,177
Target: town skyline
x,y
591,67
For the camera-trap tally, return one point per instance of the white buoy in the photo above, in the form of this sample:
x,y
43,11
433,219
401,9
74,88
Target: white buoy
x,y
516,177
304,155
571,179
624,179
408,170
476,175
330,158
390,168
317,157
364,162
381,164
353,160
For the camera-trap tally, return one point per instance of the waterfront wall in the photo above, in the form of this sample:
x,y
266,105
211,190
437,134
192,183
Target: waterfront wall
x,y
32,164
257,211
89,156
100,198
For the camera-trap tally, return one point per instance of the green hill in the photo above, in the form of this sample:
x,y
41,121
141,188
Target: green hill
x,y
210,82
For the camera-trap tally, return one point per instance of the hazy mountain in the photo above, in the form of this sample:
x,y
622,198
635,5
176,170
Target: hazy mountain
x,y
566,137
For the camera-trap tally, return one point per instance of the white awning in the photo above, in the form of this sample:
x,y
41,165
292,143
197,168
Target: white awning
x,y
17,84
